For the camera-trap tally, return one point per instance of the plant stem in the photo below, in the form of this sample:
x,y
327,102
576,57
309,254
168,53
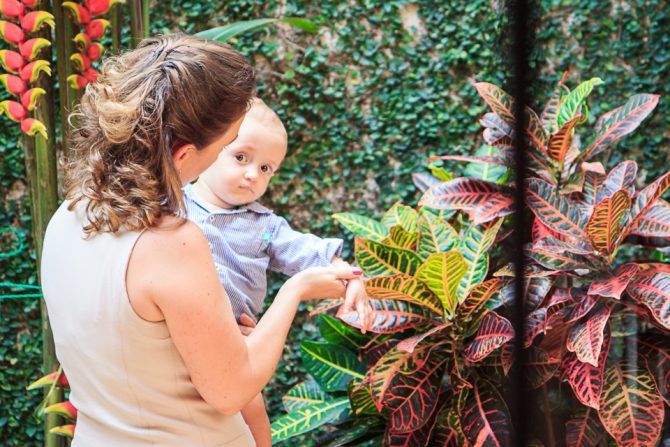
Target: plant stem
x,y
145,18
136,32
116,28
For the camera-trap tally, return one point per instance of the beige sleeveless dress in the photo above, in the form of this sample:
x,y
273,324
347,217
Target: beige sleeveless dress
x,y
128,381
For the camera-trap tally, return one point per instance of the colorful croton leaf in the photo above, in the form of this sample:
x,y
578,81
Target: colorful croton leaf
x,y
92,28
22,63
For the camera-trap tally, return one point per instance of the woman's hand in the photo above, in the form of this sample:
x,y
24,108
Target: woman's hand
x,y
322,282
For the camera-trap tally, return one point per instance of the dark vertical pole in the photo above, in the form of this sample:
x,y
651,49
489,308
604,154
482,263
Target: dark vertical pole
x,y
520,51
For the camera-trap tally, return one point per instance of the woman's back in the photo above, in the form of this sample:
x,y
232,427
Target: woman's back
x,y
128,381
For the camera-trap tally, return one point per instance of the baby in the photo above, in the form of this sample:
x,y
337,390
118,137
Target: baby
x,y
247,239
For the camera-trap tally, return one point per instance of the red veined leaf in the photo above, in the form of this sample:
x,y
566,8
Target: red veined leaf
x,y
324,306
605,227
392,316
620,122
653,291
655,222
478,298
574,184
586,338
537,137
540,367
536,289
560,142
494,331
558,261
424,181
498,100
373,354
585,379
559,299
496,130
409,344
404,288
553,342
553,245
416,438
534,325
507,356
413,393
583,303
554,210
656,351
448,431
630,408
382,260
621,177
498,206
613,286
493,136
461,194
550,111
651,268
592,183
646,198
484,416
382,373
584,430
541,231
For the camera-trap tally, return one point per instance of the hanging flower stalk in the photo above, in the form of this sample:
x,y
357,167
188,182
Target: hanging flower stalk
x,y
92,28
23,68
58,380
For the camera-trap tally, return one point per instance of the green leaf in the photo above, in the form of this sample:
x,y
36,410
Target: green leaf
x,y
440,173
476,243
308,418
404,288
487,171
303,395
332,366
400,238
435,235
381,260
573,102
362,226
442,273
227,32
402,215
335,331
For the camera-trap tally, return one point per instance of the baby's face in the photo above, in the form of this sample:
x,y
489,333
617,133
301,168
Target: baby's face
x,y
244,168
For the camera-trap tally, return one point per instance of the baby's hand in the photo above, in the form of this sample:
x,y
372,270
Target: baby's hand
x,y
356,296
246,324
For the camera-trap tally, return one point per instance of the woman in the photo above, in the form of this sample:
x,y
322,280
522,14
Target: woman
x,y
142,326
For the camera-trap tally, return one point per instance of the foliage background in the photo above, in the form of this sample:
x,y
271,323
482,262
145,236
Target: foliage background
x,y
381,87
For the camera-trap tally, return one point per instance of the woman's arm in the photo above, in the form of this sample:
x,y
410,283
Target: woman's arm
x,y
171,276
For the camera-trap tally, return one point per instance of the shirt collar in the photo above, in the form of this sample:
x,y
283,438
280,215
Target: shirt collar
x,y
253,206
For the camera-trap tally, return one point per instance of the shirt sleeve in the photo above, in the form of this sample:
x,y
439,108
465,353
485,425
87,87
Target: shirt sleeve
x,y
291,251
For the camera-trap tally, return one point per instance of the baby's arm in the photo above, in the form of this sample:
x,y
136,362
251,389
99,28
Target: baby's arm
x,y
257,419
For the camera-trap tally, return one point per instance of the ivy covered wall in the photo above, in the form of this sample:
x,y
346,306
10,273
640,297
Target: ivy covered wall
x,y
382,86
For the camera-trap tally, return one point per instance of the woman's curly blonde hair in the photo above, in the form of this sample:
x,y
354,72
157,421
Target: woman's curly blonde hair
x,y
171,90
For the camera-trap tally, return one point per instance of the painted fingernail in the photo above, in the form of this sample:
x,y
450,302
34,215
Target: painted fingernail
x,y
357,272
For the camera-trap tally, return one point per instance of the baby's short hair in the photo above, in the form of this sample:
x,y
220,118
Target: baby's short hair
x,y
263,114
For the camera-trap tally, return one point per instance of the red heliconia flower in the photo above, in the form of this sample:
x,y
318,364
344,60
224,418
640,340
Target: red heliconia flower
x,y
14,84
49,379
81,62
76,81
65,409
99,7
95,51
33,21
91,75
31,98
31,48
14,110
11,32
80,13
31,72
32,127
32,3
82,41
12,61
97,28
12,8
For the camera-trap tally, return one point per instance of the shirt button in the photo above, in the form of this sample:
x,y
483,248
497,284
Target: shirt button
x,y
212,218
209,244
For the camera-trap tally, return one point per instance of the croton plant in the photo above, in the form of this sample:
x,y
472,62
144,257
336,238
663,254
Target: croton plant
x,y
432,369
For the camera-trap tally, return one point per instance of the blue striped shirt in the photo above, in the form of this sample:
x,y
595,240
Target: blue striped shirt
x,y
248,241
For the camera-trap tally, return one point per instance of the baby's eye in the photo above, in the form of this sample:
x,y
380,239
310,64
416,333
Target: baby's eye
x,y
241,158
266,169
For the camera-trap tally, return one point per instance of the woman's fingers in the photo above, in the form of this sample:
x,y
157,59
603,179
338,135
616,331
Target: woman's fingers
x,y
246,324
343,271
